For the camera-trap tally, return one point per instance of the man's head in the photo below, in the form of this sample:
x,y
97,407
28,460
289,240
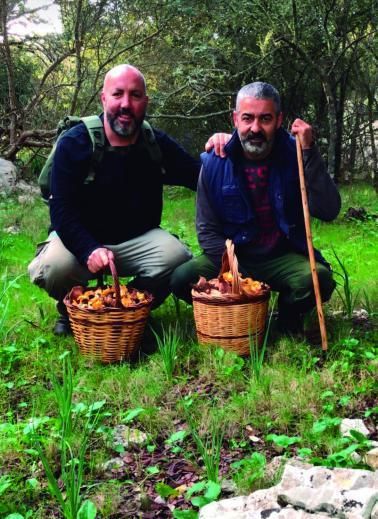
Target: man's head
x,y
257,117
125,102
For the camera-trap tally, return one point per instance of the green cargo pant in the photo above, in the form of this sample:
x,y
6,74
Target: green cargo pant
x,y
289,274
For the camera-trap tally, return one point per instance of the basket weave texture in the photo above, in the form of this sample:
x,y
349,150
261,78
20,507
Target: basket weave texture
x,y
233,319
109,334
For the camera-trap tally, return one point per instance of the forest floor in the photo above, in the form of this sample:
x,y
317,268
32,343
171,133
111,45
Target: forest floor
x,y
185,424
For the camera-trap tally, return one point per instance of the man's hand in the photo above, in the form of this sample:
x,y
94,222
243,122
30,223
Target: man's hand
x,y
99,259
304,132
218,142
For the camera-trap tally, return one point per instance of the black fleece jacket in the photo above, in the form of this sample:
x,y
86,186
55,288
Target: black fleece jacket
x,y
125,198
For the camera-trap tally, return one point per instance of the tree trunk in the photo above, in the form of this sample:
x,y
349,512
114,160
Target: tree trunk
x,y
78,43
332,126
5,49
338,143
353,140
374,155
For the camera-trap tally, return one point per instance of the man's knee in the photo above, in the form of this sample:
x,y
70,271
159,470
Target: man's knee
x,y
185,275
326,283
174,253
55,270
181,279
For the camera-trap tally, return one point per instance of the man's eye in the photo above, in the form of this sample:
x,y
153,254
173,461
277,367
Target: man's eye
x,y
266,118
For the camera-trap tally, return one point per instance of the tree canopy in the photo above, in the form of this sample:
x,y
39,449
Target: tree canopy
x,y
320,54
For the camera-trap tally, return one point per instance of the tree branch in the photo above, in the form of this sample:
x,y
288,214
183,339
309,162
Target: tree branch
x,y
26,139
188,117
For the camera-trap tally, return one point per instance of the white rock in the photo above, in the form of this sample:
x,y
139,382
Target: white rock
x,y
347,424
126,436
13,229
273,468
227,508
8,176
355,457
371,458
27,188
306,492
113,463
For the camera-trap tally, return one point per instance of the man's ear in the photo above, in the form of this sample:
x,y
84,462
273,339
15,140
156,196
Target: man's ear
x,y
235,118
279,120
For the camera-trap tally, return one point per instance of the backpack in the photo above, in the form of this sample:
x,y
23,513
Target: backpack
x,y
95,129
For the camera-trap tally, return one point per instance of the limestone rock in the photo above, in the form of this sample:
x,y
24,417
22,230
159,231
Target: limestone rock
x,y
338,492
274,468
27,193
306,492
126,436
229,487
358,425
13,229
227,508
8,176
371,458
113,463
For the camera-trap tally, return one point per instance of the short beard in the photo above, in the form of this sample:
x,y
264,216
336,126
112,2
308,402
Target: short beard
x,y
123,130
256,151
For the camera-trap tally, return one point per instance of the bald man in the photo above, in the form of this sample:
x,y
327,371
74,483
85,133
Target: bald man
x,y
118,214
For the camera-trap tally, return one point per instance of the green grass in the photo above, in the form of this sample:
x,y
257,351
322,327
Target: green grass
x,y
297,387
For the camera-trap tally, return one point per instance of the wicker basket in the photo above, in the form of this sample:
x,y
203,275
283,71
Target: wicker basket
x,y
109,334
231,320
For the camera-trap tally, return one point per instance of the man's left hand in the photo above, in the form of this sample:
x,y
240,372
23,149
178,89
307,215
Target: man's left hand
x,y
218,142
303,131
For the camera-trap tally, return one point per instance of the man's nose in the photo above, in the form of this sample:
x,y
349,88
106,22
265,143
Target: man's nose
x,y
255,125
125,101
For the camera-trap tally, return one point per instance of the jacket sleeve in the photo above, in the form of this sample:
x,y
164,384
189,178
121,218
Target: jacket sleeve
x,y
323,197
70,164
209,229
179,167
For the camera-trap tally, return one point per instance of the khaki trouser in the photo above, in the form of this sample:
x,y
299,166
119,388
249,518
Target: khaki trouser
x,y
149,258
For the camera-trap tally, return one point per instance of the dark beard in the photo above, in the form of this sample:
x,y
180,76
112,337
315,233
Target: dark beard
x,y
121,129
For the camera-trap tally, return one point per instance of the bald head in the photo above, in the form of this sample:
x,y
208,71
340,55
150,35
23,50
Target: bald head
x,y
125,102
119,71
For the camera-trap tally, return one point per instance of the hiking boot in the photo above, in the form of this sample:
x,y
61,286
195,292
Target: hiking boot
x,y
291,326
311,329
62,326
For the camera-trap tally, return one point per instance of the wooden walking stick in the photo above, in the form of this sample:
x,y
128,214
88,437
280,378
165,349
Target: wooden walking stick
x,y
310,247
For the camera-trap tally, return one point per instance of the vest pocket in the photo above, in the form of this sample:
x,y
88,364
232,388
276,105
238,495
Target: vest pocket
x,y
234,207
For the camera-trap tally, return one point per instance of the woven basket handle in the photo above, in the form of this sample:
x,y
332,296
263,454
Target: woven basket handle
x,y
230,263
113,271
116,283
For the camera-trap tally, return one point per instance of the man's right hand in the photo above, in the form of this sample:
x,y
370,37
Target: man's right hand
x,y
218,142
99,259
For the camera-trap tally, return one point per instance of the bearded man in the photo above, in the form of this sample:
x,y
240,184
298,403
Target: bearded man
x,y
117,214
251,194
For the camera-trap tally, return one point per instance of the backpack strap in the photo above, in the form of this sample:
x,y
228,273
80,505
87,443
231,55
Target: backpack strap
x,y
150,141
95,129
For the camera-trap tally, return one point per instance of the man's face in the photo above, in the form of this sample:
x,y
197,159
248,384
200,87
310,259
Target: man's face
x,y
125,102
256,121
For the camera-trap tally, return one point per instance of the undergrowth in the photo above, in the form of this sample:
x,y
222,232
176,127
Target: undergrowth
x,y
225,415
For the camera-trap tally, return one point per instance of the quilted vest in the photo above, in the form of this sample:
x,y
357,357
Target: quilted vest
x,y
231,202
